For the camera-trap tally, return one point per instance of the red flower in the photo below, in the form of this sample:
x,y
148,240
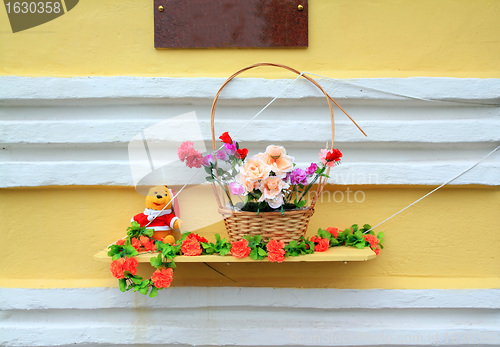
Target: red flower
x,y
333,155
162,278
333,231
240,249
130,265
198,238
148,243
321,245
120,242
191,247
241,153
117,268
136,243
276,251
372,240
226,138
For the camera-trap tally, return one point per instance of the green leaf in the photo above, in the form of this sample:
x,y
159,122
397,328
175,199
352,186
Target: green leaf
x,y
154,292
262,252
116,257
144,290
122,283
210,179
137,280
156,261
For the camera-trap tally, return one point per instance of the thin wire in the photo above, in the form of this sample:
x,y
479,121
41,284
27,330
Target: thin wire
x,y
442,185
399,94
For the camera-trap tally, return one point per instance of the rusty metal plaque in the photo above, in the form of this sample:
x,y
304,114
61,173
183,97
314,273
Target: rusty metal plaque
x,y
230,23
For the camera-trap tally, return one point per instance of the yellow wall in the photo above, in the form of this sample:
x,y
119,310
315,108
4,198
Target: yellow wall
x,y
362,38
449,240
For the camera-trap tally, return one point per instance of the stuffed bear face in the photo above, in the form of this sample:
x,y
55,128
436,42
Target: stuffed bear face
x,y
158,197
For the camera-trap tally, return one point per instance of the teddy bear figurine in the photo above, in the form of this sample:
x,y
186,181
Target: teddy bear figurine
x,y
159,214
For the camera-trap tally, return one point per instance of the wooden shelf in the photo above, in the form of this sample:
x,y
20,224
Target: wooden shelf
x,y
341,253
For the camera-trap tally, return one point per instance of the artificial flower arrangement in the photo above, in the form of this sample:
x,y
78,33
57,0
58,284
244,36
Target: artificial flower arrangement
x,y
139,240
265,182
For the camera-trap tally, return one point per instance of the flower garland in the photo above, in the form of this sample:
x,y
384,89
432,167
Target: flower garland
x,y
139,239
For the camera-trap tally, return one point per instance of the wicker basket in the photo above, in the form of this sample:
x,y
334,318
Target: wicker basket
x,y
287,226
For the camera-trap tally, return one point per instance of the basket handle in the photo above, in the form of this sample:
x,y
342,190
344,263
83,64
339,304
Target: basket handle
x,y
328,97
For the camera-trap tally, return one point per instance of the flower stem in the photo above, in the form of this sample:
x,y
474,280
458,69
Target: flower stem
x,y
312,183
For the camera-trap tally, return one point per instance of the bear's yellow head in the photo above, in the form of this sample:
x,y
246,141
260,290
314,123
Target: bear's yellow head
x,y
158,197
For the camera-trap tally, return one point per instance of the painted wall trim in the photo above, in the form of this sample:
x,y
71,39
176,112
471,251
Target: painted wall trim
x,y
21,89
249,317
55,131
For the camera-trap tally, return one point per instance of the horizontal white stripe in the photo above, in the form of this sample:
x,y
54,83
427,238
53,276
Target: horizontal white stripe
x,y
250,317
409,141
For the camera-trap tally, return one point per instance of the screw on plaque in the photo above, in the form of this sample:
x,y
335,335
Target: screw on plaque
x,y
160,8
300,7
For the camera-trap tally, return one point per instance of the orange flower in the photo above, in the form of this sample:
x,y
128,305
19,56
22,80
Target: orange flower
x,y
191,247
117,268
130,265
136,243
162,278
240,249
276,257
148,243
254,169
333,231
321,245
276,252
120,242
275,156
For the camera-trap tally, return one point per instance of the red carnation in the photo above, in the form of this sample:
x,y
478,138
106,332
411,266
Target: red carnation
x,y
148,243
333,155
226,138
130,265
191,247
240,249
321,245
162,278
276,251
116,268
333,231
241,153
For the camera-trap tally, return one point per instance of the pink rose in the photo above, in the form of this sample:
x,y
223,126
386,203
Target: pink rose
x,y
236,189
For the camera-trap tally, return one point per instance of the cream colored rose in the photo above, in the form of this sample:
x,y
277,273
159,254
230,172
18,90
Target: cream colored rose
x,y
271,191
275,156
249,185
254,169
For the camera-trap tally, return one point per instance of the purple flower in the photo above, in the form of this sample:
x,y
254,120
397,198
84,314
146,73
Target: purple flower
x,y
208,160
298,176
312,169
222,155
230,148
236,189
